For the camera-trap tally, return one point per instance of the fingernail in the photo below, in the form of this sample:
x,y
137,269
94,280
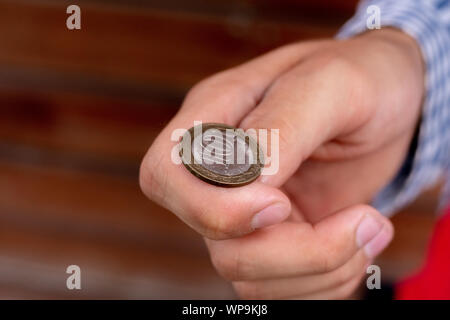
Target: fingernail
x,y
271,215
373,236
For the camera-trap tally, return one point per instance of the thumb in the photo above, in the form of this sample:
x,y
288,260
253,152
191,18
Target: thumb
x,y
295,249
356,228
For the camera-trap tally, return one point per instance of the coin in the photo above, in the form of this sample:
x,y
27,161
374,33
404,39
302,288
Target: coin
x,y
221,155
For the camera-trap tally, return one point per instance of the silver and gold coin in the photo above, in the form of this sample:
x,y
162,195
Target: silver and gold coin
x,y
221,155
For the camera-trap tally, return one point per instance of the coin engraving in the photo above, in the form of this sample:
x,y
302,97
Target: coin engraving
x,y
221,155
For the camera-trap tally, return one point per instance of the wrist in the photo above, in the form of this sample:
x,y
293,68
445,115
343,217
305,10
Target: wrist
x,y
406,46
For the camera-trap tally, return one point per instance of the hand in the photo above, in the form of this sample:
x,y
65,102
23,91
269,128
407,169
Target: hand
x,y
346,112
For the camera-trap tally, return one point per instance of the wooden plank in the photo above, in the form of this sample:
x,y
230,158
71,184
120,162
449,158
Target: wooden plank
x,y
273,10
37,262
127,246
106,134
96,205
142,45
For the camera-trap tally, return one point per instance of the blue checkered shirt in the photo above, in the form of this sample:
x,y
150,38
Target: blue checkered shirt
x,y
428,22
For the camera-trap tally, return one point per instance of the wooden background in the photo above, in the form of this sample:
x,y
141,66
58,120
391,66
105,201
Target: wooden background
x,y
78,110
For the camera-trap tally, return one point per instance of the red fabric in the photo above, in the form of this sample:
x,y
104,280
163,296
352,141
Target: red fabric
x,y
433,280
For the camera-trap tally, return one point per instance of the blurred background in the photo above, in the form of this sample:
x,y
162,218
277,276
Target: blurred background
x,y
78,110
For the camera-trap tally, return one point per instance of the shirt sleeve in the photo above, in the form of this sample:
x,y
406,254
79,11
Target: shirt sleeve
x,y
428,22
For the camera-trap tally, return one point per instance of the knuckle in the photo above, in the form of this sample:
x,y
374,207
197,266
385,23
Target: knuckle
x,y
152,178
332,256
257,119
250,291
216,226
228,81
345,274
221,218
341,72
287,131
336,63
322,259
225,266
346,290
229,266
325,261
198,88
